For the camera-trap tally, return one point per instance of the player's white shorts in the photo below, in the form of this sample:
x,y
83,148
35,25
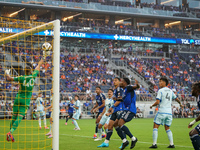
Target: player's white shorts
x,y
163,119
40,113
104,120
76,116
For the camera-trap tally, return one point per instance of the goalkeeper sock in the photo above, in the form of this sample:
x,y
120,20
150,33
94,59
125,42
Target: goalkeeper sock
x,y
16,123
39,121
13,120
44,121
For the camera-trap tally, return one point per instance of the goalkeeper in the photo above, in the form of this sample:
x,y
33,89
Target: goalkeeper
x,y
23,97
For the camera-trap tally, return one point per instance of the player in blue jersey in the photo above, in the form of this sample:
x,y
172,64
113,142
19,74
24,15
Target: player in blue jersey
x,y
115,110
70,110
105,115
100,104
194,133
129,99
164,115
76,115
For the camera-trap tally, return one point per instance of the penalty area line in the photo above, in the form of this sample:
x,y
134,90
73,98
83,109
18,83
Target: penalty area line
x,y
120,140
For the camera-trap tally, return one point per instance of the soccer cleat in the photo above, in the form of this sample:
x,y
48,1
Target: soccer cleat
x,y
46,127
77,129
10,137
48,134
121,146
153,146
133,143
95,136
66,123
40,128
103,136
104,145
171,146
98,139
74,128
124,145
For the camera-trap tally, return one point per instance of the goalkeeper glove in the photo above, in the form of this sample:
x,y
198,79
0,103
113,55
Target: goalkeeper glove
x,y
7,71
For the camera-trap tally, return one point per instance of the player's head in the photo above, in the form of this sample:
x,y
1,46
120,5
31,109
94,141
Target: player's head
x,y
125,82
40,94
196,89
110,93
163,82
98,90
76,97
28,70
116,81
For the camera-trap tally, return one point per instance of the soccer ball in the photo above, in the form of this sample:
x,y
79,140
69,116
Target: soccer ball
x,y
46,46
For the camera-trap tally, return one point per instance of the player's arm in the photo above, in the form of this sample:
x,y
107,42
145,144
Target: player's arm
x,y
39,65
178,102
101,106
49,107
76,107
104,110
193,122
95,106
136,86
156,103
8,77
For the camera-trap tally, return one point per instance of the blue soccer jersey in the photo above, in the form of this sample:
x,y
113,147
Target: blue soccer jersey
x,y
70,108
118,93
129,99
99,100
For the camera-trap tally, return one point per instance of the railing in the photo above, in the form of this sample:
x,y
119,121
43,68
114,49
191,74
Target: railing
x,y
99,7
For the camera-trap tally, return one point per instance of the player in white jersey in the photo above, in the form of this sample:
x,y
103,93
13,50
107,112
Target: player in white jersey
x,y
51,114
76,115
105,115
164,114
40,110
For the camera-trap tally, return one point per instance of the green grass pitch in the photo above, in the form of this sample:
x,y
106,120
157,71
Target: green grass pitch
x,y
82,140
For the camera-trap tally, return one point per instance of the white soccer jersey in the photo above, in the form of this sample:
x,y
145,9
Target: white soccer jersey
x,y
78,104
165,95
39,102
108,103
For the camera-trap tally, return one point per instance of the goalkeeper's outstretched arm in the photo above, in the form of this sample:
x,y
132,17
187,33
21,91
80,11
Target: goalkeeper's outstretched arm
x,y
39,65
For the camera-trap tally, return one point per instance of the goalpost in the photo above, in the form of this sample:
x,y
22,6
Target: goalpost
x,y
19,45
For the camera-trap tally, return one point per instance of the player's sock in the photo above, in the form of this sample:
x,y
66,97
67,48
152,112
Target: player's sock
x,y
170,136
13,120
96,129
106,141
106,131
155,136
67,119
195,141
16,123
39,120
126,131
75,123
119,132
44,121
100,133
109,134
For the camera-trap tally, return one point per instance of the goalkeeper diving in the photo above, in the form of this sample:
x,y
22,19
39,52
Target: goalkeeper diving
x,y
23,97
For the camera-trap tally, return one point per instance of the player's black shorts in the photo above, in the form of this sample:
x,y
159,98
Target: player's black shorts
x,y
97,115
198,128
127,115
115,115
70,115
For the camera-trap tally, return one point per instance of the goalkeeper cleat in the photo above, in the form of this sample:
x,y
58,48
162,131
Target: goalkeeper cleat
x,y
46,127
104,145
95,136
98,139
103,135
48,134
10,137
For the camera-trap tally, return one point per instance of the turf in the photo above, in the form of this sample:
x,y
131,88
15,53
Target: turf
x,y
82,140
